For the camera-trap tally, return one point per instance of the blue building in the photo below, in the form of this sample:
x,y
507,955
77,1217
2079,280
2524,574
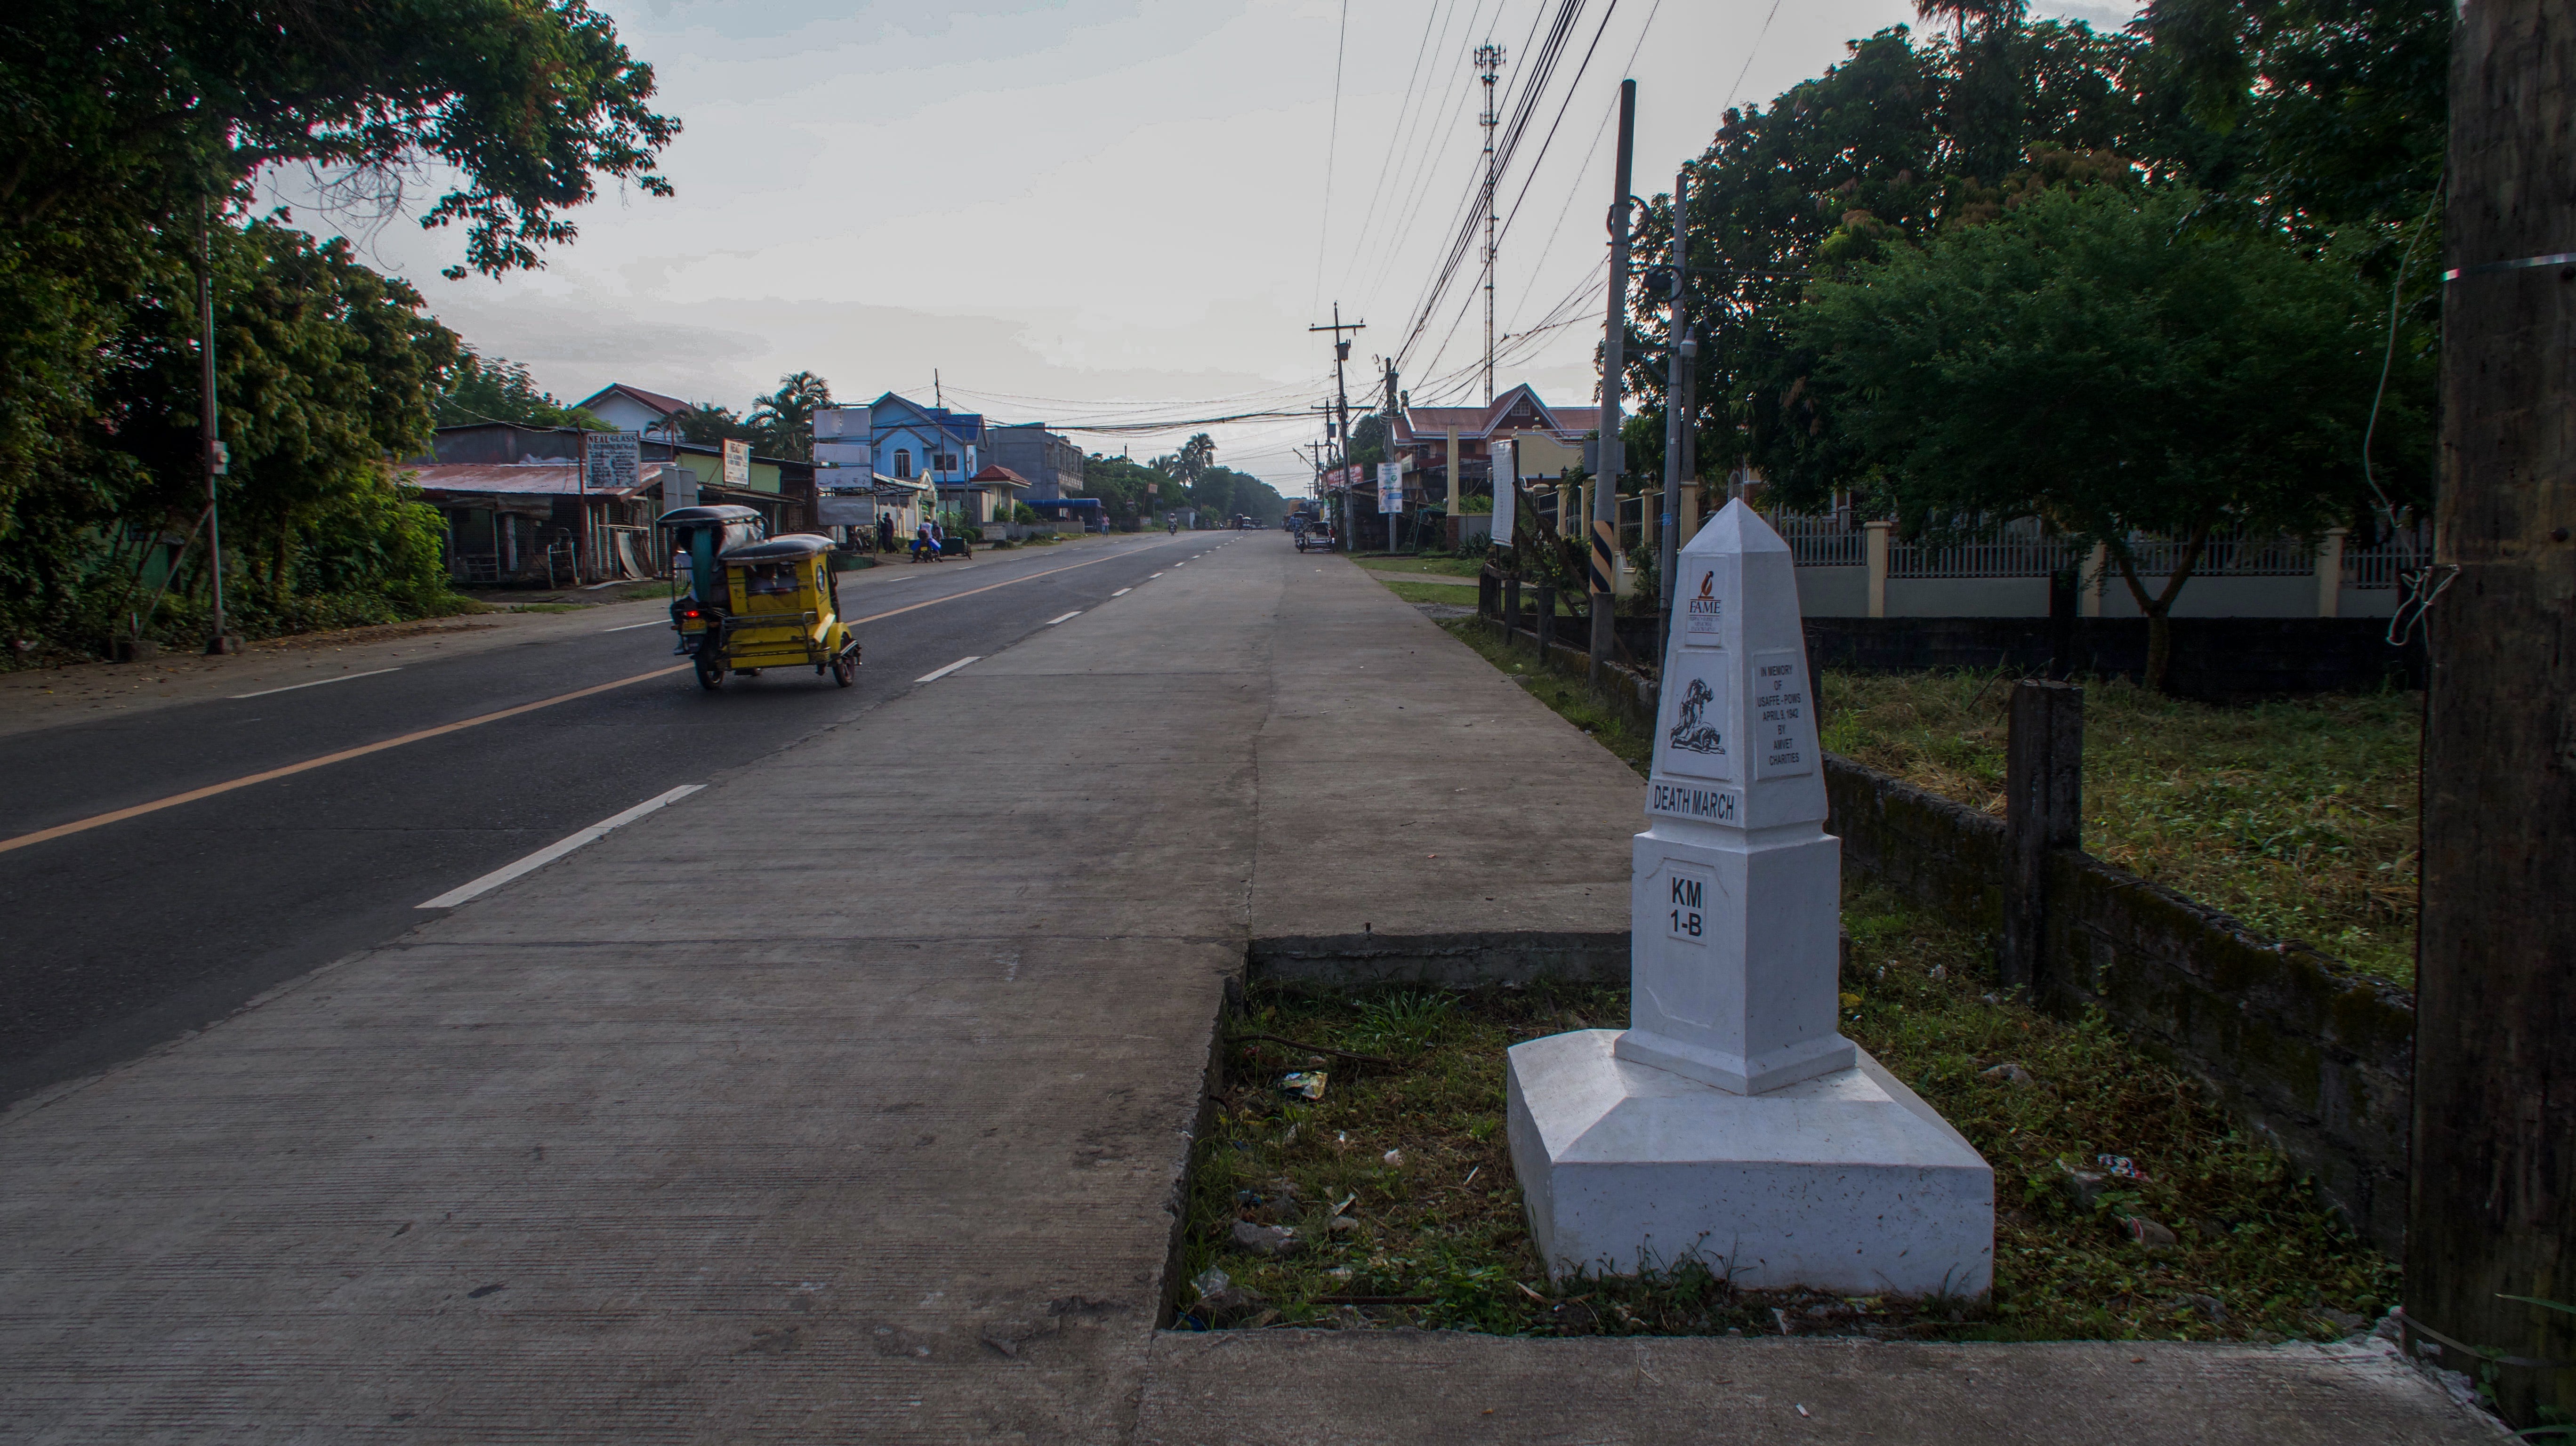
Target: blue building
x,y
902,439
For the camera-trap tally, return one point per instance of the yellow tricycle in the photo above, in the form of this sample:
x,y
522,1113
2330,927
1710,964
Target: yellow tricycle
x,y
776,605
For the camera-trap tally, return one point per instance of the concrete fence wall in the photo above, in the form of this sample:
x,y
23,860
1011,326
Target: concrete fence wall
x,y
2212,657
2314,1057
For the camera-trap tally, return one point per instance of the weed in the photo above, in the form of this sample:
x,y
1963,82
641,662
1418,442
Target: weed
x,y
1437,1239
2297,816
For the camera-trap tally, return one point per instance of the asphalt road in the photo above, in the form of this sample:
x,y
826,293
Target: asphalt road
x,y
116,938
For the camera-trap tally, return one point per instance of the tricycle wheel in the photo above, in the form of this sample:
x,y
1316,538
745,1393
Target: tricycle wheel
x,y
845,669
710,669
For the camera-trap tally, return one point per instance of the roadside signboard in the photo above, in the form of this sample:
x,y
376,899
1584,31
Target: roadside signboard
x,y
737,464
609,460
1390,487
1506,490
847,509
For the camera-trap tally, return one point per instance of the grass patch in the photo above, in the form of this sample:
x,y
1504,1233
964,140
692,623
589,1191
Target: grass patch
x,y
1430,592
1436,1236
1437,564
2297,816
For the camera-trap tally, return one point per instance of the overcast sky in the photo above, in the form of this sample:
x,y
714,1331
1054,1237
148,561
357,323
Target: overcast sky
x,y
1094,209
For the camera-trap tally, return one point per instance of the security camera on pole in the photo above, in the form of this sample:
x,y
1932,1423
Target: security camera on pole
x,y
1731,1120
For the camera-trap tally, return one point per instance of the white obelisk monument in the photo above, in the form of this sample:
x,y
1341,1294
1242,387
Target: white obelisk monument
x,y
1730,1119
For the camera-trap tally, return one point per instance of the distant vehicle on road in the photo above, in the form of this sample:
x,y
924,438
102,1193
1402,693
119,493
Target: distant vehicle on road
x,y
1318,538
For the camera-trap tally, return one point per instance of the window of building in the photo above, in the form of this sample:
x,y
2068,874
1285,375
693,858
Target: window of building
x,y
903,463
947,461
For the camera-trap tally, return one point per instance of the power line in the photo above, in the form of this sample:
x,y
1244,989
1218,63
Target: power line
x,y
1332,141
1414,180
1534,80
1386,157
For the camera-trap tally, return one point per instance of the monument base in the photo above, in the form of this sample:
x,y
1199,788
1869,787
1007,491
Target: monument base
x,y
1847,1183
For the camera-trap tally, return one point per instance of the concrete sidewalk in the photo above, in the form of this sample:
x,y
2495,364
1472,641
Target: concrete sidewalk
x,y
850,1098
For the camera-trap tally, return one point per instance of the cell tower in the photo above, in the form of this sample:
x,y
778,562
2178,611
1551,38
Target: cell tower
x,y
1489,64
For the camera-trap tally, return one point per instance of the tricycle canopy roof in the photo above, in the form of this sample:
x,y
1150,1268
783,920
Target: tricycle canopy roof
x,y
683,516
786,547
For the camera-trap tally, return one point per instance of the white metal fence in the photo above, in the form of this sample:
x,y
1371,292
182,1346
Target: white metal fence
x,y
2019,549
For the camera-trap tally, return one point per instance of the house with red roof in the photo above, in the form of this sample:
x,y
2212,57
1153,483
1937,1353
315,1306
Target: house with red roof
x,y
633,409
1555,434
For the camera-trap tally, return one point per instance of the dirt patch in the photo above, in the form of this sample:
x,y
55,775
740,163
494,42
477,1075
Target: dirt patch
x,y
1396,1189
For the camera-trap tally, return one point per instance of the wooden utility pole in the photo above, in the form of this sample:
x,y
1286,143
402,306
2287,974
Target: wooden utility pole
x,y
2491,1200
1614,358
1342,397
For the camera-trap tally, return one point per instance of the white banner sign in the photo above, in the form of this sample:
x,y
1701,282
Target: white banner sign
x,y
1390,487
737,464
609,460
1506,490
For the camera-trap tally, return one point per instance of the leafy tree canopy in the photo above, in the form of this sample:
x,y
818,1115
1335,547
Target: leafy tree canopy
x,y
495,389
143,107
2112,363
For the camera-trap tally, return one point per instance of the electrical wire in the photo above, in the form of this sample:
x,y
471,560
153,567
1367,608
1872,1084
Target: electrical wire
x,y
1533,86
1332,143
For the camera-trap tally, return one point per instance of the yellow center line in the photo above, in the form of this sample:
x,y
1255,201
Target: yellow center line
x,y
60,830
345,754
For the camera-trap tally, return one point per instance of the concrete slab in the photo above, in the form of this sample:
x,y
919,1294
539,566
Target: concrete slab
x,y
1423,817
850,1097
847,1099
1847,1182
1344,1388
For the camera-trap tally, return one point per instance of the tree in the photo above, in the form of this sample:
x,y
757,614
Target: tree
x,y
1120,483
496,389
2104,362
1190,463
782,423
132,128
331,369
2326,111
144,107
709,422
1369,441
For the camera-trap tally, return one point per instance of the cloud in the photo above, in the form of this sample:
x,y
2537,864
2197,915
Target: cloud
x,y
1064,204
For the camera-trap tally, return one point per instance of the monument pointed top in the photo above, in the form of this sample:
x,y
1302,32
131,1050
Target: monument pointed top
x,y
1735,529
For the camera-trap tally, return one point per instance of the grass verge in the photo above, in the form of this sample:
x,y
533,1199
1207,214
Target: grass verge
x,y
2298,816
1412,1160
1434,564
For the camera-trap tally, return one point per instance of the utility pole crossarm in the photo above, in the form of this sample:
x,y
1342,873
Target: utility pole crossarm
x,y
1341,391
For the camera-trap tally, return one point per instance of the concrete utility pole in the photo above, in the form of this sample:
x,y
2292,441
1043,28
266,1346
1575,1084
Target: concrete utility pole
x,y
1489,64
1676,414
2494,1170
1605,486
210,426
1342,391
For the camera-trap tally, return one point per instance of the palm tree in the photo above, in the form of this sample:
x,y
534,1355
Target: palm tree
x,y
784,419
1985,16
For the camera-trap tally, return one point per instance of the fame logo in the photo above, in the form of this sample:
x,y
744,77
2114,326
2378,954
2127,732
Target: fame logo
x,y
1707,609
